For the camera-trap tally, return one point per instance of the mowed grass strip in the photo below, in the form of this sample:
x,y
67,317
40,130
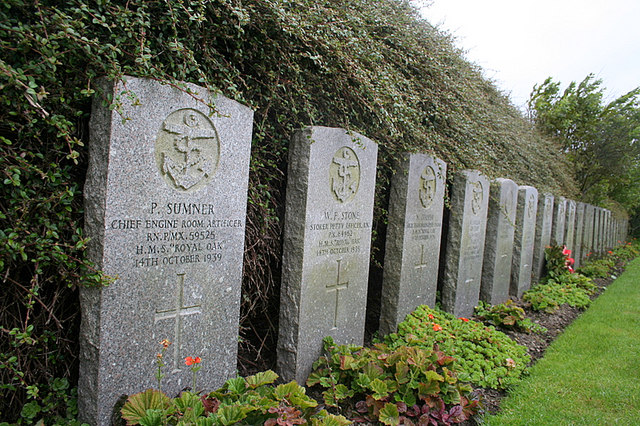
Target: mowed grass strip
x,y
591,373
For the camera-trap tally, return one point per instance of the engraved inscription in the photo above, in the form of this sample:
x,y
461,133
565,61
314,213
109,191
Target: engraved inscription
x,y
344,174
177,313
187,150
427,190
509,202
337,286
531,206
476,197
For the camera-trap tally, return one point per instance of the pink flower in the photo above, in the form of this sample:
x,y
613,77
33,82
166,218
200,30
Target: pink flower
x,y
570,269
566,251
570,261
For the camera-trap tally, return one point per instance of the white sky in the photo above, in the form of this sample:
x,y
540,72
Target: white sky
x,y
520,43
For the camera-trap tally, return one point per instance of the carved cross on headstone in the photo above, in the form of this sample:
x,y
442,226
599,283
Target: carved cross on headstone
x,y
422,263
177,313
337,287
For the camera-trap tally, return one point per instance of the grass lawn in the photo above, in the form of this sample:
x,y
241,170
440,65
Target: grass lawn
x,y
591,373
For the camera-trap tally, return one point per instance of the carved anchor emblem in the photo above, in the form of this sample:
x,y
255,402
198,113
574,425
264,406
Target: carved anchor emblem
x,y
427,189
187,149
345,174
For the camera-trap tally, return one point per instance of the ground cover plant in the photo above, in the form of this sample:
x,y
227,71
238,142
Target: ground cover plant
x,y
589,374
506,316
560,285
242,401
401,385
484,356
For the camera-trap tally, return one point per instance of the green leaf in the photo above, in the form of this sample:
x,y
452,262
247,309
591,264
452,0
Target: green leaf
x,y
389,415
379,388
135,409
230,414
262,378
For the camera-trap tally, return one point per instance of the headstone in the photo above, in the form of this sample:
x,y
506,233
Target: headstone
x,y
544,218
588,232
465,243
498,245
523,244
557,226
579,234
327,241
597,230
412,252
165,207
570,223
607,229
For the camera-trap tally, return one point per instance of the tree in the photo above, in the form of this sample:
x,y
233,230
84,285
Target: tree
x,y
602,140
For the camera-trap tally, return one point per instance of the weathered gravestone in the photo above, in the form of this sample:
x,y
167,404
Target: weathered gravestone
x,y
327,240
569,225
465,243
597,230
559,218
165,206
523,243
498,246
578,234
413,238
544,218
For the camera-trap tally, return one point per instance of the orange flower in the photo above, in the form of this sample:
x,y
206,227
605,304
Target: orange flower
x,y
436,327
464,319
430,316
190,360
165,343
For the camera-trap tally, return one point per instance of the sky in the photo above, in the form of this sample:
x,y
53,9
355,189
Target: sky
x,y
520,43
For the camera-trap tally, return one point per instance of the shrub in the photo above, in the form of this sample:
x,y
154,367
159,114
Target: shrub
x,y
507,316
399,385
597,268
483,356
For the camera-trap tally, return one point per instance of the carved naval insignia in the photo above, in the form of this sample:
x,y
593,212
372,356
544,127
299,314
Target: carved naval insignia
x,y
187,150
427,190
476,197
344,174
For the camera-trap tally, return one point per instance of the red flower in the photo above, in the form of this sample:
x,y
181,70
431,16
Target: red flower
x,y
610,252
566,251
570,261
464,319
436,327
190,360
570,269
430,316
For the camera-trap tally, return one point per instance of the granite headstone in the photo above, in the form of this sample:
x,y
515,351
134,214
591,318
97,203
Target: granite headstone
x,y
559,218
165,208
523,243
465,243
327,241
414,231
544,218
498,245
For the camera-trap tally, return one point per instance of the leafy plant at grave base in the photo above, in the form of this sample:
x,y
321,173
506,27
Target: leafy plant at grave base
x,y
572,289
597,268
248,401
558,262
483,356
626,251
507,315
402,385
